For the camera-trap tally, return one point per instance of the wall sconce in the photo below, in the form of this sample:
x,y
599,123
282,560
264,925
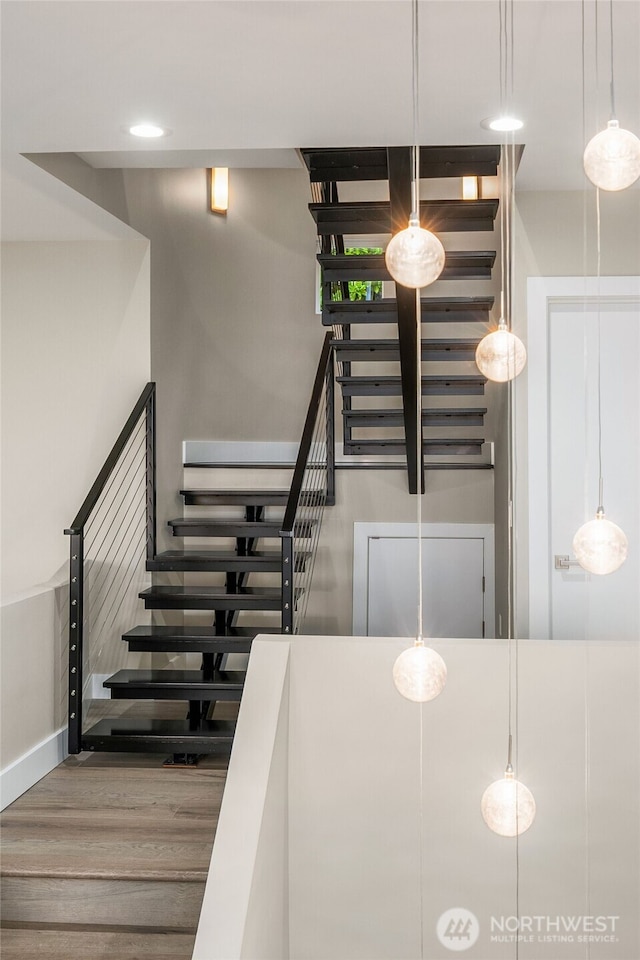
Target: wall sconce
x,y
470,188
220,190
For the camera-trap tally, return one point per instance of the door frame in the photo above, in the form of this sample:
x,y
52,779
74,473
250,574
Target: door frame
x,y
542,294
364,532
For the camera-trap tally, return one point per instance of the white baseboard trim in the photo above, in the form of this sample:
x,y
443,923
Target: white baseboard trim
x,y
20,775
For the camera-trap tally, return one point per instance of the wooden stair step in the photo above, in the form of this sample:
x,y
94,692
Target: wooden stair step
x,y
458,265
374,216
211,598
248,498
164,639
434,447
158,736
370,163
175,685
210,527
389,350
222,561
242,529
433,386
434,310
433,417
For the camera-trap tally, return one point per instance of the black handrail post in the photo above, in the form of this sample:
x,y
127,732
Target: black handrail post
x,y
151,475
76,640
331,432
288,567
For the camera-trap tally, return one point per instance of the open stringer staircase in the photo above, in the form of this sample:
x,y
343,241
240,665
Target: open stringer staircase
x,y
372,337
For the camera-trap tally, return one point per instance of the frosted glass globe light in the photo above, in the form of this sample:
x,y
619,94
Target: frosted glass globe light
x,y
414,257
508,807
612,158
501,355
600,545
419,673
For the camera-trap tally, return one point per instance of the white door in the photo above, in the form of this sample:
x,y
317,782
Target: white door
x,y
457,568
579,605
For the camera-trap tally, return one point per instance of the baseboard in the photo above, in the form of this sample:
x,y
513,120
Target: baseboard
x,y
32,766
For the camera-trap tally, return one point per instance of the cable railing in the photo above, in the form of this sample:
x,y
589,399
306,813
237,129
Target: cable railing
x,y
111,538
312,488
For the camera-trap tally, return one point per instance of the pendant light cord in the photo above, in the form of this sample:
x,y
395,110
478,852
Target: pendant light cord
x,y
415,76
611,84
419,458
599,348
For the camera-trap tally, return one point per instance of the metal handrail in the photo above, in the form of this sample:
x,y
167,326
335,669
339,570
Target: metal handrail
x,y
312,488
76,532
305,443
110,463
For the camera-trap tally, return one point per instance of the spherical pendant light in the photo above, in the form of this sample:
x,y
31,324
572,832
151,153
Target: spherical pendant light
x,y
414,257
501,355
612,158
600,545
419,673
508,807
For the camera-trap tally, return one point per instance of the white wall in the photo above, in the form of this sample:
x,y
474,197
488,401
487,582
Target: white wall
x,y
353,801
75,357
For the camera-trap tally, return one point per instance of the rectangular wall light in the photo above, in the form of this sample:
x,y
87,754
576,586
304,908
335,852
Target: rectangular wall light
x,y
219,189
470,188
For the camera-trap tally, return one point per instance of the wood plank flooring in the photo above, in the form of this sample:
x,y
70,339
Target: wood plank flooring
x,y
107,856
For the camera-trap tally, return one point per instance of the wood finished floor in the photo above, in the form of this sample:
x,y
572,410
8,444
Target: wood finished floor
x,y
107,856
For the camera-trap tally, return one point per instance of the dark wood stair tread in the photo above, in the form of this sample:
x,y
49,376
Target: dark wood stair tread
x,y
175,685
458,265
374,216
265,561
193,639
457,447
211,598
249,498
158,736
434,310
431,386
370,163
434,416
244,529
384,350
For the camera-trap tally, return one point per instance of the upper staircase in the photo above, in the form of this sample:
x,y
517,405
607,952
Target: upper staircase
x,y
374,367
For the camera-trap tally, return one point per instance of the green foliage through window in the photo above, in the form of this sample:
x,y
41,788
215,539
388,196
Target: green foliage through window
x,y
358,289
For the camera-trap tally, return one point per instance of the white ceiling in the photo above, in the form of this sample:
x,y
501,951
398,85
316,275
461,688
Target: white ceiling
x,y
251,80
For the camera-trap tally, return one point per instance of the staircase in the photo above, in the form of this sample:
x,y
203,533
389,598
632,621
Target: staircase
x,y
377,369
228,543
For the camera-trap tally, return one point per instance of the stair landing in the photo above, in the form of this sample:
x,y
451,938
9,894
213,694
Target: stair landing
x,y
108,856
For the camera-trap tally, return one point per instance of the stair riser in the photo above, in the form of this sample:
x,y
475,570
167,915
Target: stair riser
x,y
437,389
396,447
217,498
253,531
429,419
370,163
194,692
231,602
242,564
123,743
223,645
332,318
392,354
378,271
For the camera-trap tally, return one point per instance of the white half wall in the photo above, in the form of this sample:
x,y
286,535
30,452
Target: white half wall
x,y
358,877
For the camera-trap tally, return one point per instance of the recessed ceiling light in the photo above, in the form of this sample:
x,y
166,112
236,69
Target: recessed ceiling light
x,y
148,130
502,124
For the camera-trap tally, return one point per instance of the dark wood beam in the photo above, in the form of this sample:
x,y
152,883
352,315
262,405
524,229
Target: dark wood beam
x,y
399,167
